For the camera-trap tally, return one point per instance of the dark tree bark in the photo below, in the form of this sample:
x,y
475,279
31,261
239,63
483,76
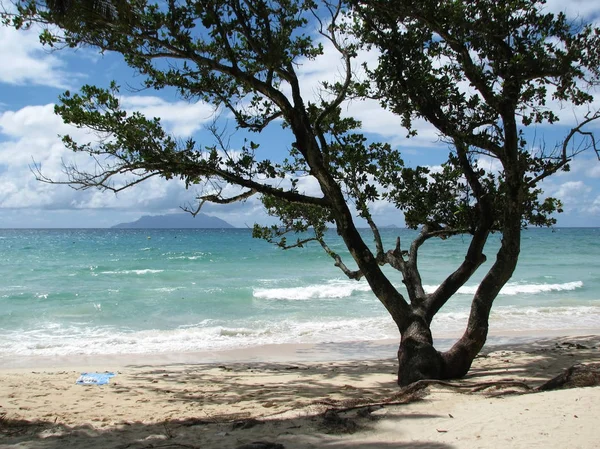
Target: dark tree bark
x,y
417,358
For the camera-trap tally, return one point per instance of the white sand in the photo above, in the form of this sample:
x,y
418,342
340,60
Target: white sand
x,y
180,405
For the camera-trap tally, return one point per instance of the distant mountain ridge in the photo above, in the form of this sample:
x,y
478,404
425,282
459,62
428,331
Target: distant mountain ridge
x,y
175,221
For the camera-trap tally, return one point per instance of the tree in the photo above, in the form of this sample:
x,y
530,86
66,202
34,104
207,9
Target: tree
x,y
242,56
515,58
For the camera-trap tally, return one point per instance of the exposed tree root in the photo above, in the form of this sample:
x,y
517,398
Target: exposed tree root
x,y
471,387
581,375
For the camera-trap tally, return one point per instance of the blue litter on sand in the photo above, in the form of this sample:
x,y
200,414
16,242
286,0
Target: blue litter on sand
x,y
94,378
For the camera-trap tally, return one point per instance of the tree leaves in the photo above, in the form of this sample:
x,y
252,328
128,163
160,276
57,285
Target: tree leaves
x,y
473,70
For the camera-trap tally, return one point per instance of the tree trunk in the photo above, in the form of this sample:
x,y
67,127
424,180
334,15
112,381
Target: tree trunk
x,y
458,360
417,358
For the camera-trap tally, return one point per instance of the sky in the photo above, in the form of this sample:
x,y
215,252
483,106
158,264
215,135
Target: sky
x,y
32,78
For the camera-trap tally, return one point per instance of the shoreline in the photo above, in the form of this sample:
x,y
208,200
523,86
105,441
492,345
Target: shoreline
x,y
272,353
197,405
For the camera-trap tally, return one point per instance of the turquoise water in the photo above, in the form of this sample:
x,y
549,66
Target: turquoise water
x,y
66,292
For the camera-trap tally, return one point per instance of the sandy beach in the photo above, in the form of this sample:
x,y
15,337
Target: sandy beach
x,y
173,403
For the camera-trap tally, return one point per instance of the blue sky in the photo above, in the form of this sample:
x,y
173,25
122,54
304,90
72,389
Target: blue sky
x,y
32,78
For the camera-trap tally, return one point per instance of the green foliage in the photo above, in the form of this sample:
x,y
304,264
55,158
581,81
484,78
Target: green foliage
x,y
307,222
510,53
474,70
133,140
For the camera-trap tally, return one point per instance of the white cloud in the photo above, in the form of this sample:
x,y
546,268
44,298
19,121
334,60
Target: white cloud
x,y
376,120
489,164
579,202
572,191
595,206
388,125
593,170
582,166
180,118
570,115
584,9
26,62
32,134
32,122
308,185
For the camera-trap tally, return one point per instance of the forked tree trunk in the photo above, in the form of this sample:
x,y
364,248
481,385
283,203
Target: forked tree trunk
x,y
417,358
459,358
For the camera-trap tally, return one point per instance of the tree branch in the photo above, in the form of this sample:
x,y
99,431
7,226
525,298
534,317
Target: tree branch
x,y
356,275
347,58
395,257
564,157
474,257
218,199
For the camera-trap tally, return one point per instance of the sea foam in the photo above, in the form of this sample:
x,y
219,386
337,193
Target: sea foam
x,y
205,336
329,290
138,272
515,288
344,289
215,335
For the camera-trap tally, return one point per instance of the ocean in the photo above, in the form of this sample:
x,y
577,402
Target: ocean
x,y
107,291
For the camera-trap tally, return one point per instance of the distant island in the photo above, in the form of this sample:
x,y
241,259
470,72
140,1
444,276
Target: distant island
x,y
175,221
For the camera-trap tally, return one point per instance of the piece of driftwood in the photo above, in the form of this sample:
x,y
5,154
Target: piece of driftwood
x,y
261,445
581,375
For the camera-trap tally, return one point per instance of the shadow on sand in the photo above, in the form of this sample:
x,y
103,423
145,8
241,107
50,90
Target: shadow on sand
x,y
292,402
291,433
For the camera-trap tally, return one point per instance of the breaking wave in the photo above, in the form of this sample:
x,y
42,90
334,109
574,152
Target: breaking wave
x,y
344,289
329,290
513,288
138,272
